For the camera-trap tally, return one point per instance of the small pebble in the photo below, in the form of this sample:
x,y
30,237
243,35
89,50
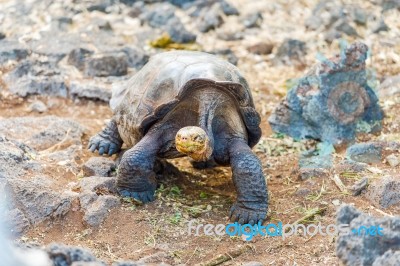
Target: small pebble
x,y
393,160
38,106
359,186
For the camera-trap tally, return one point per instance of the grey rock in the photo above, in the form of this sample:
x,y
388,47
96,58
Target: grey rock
x,y
181,3
261,48
332,103
389,258
101,6
209,19
365,152
44,132
137,9
178,32
291,51
350,166
332,35
388,4
98,166
355,249
390,86
37,200
136,58
16,159
345,27
385,192
305,173
163,17
77,57
321,157
371,152
16,221
2,36
393,160
63,23
106,65
380,26
33,69
253,20
197,7
33,77
99,209
12,50
360,16
316,163
56,44
38,107
159,16
91,89
325,14
346,214
313,22
359,186
87,198
227,54
26,86
228,8
94,183
63,255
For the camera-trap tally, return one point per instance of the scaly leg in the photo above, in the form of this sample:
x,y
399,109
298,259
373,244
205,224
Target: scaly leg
x,y
136,176
252,197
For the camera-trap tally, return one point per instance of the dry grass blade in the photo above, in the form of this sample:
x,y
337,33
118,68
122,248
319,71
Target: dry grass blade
x,y
309,214
339,183
227,256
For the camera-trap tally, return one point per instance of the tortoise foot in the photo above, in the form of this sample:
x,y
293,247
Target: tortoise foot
x,y
246,215
103,145
143,196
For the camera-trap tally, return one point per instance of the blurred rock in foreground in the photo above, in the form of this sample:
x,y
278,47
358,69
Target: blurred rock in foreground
x,y
361,248
332,103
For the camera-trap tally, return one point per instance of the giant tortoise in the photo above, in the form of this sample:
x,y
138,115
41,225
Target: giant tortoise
x,y
192,104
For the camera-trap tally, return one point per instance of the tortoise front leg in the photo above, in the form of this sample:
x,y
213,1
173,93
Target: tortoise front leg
x,y
108,141
252,197
136,176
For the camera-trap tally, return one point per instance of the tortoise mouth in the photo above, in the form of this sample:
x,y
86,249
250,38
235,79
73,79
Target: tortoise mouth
x,y
194,142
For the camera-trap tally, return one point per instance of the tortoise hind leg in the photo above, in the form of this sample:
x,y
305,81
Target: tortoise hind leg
x,y
252,198
108,141
136,175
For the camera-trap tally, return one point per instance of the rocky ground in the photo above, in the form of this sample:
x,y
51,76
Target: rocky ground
x,y
60,60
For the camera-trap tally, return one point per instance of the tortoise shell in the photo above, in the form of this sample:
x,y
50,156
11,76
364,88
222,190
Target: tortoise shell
x,y
162,83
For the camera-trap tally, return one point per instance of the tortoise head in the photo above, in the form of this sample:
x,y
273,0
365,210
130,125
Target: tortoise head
x,y
194,142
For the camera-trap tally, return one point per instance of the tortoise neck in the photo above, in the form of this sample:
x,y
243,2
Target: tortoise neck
x,y
208,103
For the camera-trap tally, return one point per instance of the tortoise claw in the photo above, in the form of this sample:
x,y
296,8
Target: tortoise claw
x,y
246,216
